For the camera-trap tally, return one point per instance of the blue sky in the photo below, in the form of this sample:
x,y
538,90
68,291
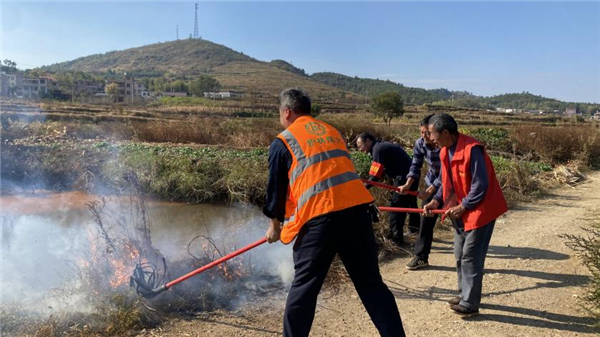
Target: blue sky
x,y
487,48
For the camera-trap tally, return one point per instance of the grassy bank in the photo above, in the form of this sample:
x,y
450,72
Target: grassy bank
x,y
179,173
225,159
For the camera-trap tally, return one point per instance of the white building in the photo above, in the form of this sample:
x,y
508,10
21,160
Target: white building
x,y
222,94
570,112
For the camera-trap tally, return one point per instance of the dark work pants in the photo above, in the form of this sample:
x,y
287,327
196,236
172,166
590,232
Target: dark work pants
x,y
348,233
397,219
470,249
423,244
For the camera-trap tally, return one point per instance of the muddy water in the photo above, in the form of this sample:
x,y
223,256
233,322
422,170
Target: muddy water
x,y
44,234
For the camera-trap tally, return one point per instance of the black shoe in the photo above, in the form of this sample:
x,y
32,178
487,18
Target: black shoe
x,y
397,239
413,230
455,300
417,263
464,311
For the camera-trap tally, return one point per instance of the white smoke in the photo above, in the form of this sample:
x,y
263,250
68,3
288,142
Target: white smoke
x,y
40,252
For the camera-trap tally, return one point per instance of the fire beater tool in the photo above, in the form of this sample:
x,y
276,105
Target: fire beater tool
x,y
389,187
409,210
147,283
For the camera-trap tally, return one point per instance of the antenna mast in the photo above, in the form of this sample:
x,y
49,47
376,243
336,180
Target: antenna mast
x,y
196,23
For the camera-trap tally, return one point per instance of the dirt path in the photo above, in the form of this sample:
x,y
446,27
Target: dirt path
x,y
532,285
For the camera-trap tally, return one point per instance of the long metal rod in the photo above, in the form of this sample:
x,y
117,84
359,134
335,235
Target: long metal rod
x,y
214,263
409,210
389,187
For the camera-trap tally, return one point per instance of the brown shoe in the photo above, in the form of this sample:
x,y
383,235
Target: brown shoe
x,y
455,300
464,311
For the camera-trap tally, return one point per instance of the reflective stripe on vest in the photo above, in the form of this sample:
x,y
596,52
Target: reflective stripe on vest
x,y
317,158
321,178
293,144
322,186
326,184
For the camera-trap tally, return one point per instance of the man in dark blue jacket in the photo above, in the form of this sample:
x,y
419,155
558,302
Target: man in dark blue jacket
x,y
424,151
391,160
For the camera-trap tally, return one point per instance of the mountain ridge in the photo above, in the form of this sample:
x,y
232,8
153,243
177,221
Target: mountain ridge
x,y
236,70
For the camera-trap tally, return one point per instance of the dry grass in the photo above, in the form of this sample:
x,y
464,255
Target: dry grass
x,y
559,145
237,133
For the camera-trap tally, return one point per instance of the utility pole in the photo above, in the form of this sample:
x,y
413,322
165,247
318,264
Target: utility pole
x,y
177,32
196,23
132,88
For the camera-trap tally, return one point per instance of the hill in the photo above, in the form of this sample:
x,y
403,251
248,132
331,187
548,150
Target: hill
x,y
234,70
418,96
262,81
373,87
281,64
188,57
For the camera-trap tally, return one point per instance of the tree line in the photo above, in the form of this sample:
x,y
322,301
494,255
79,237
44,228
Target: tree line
x,y
526,101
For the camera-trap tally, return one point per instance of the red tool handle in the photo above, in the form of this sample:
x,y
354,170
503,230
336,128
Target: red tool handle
x,y
409,210
216,262
389,187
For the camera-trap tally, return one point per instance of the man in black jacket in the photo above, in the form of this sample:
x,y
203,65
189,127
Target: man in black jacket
x,y
391,160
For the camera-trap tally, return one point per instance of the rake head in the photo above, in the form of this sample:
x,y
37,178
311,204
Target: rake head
x,y
146,279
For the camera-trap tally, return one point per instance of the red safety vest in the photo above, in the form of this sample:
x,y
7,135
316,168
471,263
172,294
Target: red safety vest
x,y
493,204
322,176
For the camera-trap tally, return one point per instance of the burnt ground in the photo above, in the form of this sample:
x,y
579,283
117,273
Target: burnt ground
x,y
533,286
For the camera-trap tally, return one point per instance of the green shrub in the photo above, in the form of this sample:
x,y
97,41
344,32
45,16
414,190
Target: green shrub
x,y
518,178
362,163
495,139
588,249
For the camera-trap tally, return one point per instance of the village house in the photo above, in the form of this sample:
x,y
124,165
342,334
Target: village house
x,y
88,88
128,89
570,112
222,94
35,87
148,94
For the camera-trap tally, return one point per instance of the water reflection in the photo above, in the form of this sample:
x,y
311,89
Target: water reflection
x,y
43,234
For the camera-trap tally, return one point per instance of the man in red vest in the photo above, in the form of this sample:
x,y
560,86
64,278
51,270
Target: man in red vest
x,y
315,197
473,200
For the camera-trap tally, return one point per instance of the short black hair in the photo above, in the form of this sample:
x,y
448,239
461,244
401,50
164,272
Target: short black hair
x,y
425,120
365,135
296,100
443,121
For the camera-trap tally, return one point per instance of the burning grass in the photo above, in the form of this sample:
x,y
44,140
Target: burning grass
x,y
97,298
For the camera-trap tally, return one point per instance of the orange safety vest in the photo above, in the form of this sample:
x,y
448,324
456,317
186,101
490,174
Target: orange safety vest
x,y
322,176
493,204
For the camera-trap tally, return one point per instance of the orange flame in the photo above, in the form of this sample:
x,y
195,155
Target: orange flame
x,y
122,267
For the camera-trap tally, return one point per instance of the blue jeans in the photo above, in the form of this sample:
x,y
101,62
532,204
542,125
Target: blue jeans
x,y
470,249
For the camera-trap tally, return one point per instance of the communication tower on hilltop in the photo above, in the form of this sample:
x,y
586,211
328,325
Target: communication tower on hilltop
x,y
196,36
